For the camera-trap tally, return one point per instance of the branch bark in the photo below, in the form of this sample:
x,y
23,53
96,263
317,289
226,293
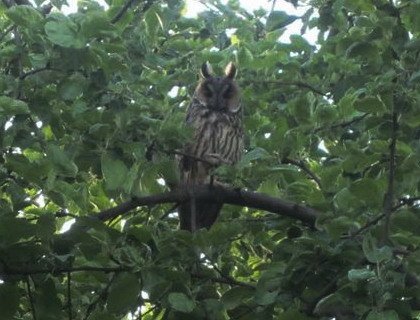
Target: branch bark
x,y
221,194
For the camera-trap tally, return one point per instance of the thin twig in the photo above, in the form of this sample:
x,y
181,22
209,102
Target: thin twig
x,y
366,226
227,277
32,72
389,195
27,272
343,124
231,282
31,298
402,202
102,295
273,6
300,164
122,11
69,304
127,5
148,311
168,212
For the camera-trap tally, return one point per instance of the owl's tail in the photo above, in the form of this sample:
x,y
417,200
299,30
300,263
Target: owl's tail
x,y
197,214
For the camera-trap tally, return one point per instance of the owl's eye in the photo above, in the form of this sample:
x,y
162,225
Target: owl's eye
x,y
228,92
207,90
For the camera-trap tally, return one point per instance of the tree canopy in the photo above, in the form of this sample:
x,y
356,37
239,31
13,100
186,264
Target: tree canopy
x,y
322,215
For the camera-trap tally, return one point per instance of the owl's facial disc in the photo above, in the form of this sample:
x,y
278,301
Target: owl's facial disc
x,y
219,94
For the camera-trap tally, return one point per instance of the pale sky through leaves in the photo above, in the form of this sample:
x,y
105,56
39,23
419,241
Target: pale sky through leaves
x,y
195,6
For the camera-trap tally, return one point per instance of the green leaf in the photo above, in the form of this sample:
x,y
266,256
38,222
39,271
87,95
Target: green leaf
x,y
370,105
141,233
265,298
123,293
15,229
180,302
102,315
114,171
360,274
279,19
9,106
367,189
96,25
382,315
73,87
46,226
65,33
47,303
363,49
9,300
254,154
339,226
24,15
236,296
373,253
61,161
415,77
328,302
245,56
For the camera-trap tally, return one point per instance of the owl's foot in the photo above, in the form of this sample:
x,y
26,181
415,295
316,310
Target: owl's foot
x,y
215,159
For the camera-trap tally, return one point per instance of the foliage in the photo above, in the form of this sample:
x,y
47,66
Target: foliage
x,y
87,121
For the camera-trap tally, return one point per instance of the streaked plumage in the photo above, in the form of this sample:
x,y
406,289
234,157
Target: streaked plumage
x,y
216,116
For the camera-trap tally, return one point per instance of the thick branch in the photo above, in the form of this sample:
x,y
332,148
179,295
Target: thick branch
x,y
221,194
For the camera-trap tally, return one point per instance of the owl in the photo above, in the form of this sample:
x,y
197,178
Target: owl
x,y
215,116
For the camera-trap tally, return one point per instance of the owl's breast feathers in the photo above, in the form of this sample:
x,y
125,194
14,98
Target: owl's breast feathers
x,y
215,132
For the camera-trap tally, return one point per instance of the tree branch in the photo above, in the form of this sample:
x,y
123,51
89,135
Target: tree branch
x,y
102,295
69,302
31,297
343,124
122,11
126,6
301,164
221,194
229,281
34,71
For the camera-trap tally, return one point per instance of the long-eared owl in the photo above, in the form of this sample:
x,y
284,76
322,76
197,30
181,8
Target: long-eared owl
x,y
215,114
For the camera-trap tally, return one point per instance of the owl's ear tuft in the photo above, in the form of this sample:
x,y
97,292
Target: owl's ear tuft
x,y
230,70
206,70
